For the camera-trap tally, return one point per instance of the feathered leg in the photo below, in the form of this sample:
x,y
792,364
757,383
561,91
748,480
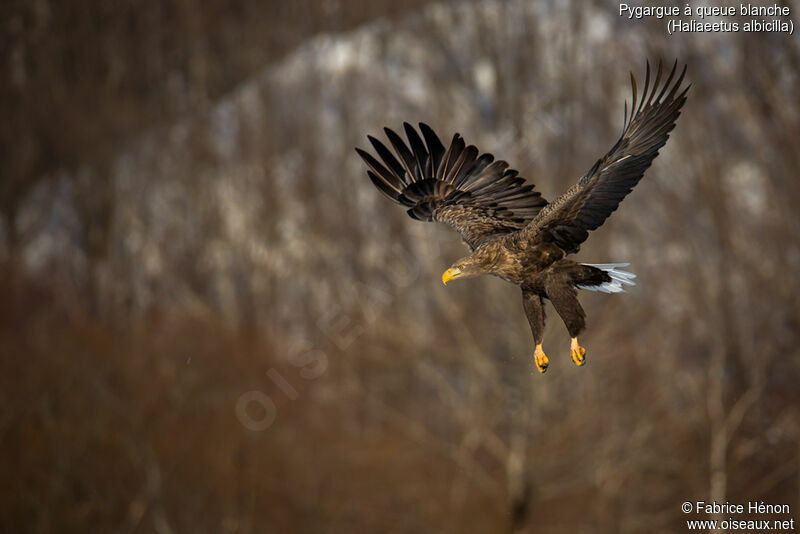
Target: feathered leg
x,y
564,297
534,310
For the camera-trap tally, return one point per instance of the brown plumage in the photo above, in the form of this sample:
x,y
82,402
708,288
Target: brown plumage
x,y
513,233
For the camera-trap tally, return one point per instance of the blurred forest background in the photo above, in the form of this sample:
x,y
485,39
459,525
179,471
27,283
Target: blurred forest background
x,y
212,322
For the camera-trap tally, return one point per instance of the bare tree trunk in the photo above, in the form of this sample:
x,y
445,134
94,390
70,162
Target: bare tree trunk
x,y
517,466
718,449
519,485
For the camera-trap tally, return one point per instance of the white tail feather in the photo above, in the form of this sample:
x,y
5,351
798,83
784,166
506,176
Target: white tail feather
x,y
618,278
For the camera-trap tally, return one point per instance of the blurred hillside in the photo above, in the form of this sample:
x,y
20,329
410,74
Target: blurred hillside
x,y
212,322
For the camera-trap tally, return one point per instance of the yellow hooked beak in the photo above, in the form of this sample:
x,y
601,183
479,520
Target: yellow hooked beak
x,y
449,274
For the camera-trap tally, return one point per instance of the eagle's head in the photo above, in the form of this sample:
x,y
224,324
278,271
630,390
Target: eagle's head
x,y
466,267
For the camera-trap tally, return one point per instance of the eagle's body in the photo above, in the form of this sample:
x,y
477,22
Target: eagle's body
x,y
513,232
517,261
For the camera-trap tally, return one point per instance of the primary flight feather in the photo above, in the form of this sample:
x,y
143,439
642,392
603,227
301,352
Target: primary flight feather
x,y
513,232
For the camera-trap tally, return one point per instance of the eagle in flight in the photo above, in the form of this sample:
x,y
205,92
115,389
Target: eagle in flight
x,y
513,232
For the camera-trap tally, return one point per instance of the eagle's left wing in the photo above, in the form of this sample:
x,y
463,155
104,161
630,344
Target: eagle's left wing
x,y
586,205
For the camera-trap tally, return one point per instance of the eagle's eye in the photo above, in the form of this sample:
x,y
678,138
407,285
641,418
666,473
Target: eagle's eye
x,y
460,267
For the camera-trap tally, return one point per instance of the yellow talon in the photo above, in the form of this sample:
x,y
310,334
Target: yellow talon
x,y
540,359
577,352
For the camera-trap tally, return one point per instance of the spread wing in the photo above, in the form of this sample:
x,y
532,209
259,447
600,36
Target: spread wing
x,y
478,197
586,205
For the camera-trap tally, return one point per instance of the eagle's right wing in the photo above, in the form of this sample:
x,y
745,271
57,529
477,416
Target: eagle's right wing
x,y
478,197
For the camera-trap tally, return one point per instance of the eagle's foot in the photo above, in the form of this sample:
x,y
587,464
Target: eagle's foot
x,y
576,352
540,359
